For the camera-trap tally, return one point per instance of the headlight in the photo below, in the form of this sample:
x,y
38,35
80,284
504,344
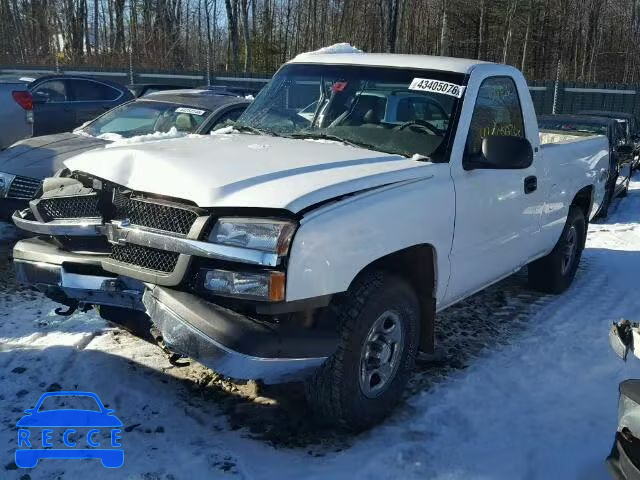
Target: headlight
x,y
267,286
5,183
266,235
629,407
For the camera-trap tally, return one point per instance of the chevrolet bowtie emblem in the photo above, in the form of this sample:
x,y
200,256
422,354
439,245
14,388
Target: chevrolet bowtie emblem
x,y
115,232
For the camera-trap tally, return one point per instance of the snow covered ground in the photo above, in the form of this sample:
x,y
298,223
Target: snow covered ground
x,y
529,390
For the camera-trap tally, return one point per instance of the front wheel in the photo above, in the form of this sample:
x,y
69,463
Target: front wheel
x,y
555,272
361,383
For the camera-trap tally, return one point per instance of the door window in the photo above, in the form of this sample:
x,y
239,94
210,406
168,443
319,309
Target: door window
x,y
497,112
51,91
226,116
88,91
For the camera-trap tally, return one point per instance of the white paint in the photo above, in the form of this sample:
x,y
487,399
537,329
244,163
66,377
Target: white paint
x,y
291,174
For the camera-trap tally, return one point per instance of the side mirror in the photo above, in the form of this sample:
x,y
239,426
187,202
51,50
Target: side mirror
x,y
625,149
501,153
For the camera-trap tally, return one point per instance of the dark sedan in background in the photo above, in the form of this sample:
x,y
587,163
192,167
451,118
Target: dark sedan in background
x,y
159,115
632,128
620,148
63,102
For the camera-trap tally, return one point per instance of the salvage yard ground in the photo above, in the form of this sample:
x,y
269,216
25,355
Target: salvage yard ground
x,y
527,388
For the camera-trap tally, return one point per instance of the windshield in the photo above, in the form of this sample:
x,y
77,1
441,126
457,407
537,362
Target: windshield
x,y
570,126
384,109
143,117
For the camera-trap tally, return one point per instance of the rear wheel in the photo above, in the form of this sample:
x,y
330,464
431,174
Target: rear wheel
x,y
361,383
555,272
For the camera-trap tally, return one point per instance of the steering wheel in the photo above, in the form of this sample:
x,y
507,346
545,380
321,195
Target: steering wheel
x,y
420,123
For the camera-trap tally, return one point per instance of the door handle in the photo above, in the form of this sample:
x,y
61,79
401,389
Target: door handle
x,y
530,184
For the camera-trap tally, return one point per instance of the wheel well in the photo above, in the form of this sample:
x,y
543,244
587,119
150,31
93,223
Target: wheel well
x,y
583,199
417,265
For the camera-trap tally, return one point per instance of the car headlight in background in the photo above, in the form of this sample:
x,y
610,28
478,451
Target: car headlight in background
x,y
267,286
5,183
266,235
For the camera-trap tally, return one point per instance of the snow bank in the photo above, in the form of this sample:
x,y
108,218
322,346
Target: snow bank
x,y
119,140
336,48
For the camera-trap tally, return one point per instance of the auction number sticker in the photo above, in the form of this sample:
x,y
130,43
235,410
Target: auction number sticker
x,y
437,86
190,111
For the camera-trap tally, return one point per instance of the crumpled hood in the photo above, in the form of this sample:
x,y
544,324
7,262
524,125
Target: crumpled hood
x,y
41,157
245,170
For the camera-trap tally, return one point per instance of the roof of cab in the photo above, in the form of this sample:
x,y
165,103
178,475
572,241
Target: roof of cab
x,y
427,62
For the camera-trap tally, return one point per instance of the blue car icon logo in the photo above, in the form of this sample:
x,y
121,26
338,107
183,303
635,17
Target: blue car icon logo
x,y
92,431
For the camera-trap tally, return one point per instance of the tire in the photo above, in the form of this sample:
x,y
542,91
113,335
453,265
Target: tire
x,y
346,390
136,322
555,272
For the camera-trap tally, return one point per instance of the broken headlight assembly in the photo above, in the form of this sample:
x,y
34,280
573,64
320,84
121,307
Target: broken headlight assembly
x,y
266,235
273,236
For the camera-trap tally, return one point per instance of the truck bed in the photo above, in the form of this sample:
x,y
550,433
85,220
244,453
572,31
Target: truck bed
x,y
563,149
562,136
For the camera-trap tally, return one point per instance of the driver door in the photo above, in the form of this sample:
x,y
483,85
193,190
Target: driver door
x,y
498,210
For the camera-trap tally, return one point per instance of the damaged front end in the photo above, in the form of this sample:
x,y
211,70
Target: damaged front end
x,y
212,282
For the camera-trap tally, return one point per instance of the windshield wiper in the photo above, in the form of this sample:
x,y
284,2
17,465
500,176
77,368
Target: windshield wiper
x,y
257,131
334,138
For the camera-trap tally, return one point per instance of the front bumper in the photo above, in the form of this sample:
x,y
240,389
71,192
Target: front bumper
x,y
232,344
71,278
228,342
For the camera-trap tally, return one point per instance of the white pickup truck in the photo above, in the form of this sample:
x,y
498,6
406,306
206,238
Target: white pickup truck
x,y
321,247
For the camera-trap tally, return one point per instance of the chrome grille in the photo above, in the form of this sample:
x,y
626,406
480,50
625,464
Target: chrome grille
x,y
79,206
145,257
23,188
155,215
